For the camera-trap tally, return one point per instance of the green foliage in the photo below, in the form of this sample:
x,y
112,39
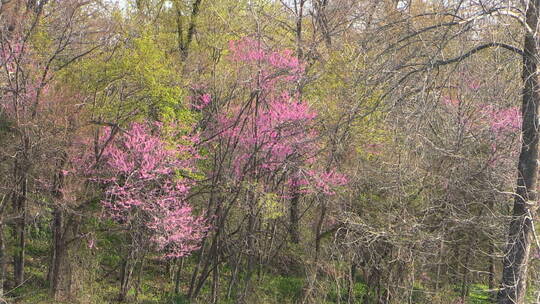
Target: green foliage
x,y
177,299
337,92
284,289
479,294
359,290
134,79
272,206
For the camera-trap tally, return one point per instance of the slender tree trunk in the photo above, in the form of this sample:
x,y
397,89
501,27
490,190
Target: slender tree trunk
x,y
491,266
2,259
216,250
518,246
169,268
215,281
308,289
211,259
139,277
299,7
193,281
351,283
439,262
60,272
184,44
321,20
464,279
178,277
318,232
250,235
232,282
125,279
179,27
20,231
295,216
491,271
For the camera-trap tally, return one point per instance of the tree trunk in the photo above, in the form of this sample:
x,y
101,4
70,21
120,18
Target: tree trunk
x,y
491,270
215,281
232,282
178,277
20,231
251,251
184,44
312,278
518,246
439,262
491,266
351,283
2,259
139,277
464,280
60,273
208,261
127,273
295,216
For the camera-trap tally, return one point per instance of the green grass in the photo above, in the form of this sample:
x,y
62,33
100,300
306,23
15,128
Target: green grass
x,y
479,294
359,290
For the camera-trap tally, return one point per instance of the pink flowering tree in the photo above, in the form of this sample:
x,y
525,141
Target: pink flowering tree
x,y
146,184
273,132
24,110
477,144
485,134
496,126
265,151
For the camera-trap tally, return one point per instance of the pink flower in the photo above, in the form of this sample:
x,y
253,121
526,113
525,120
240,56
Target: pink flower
x,y
143,191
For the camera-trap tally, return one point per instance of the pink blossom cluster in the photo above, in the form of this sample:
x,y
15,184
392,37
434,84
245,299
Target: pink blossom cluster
x,y
247,50
144,189
16,61
503,120
280,133
499,121
312,181
273,133
451,102
201,102
327,181
10,53
273,66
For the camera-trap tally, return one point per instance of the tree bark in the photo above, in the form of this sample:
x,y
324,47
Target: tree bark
x,y
20,231
126,275
177,276
184,44
295,216
491,270
251,252
139,277
215,281
518,246
2,259
351,283
464,280
61,271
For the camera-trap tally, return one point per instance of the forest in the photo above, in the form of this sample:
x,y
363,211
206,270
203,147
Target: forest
x,y
269,151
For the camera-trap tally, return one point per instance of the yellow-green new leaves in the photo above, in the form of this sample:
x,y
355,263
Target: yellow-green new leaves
x,y
272,206
346,101
134,78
